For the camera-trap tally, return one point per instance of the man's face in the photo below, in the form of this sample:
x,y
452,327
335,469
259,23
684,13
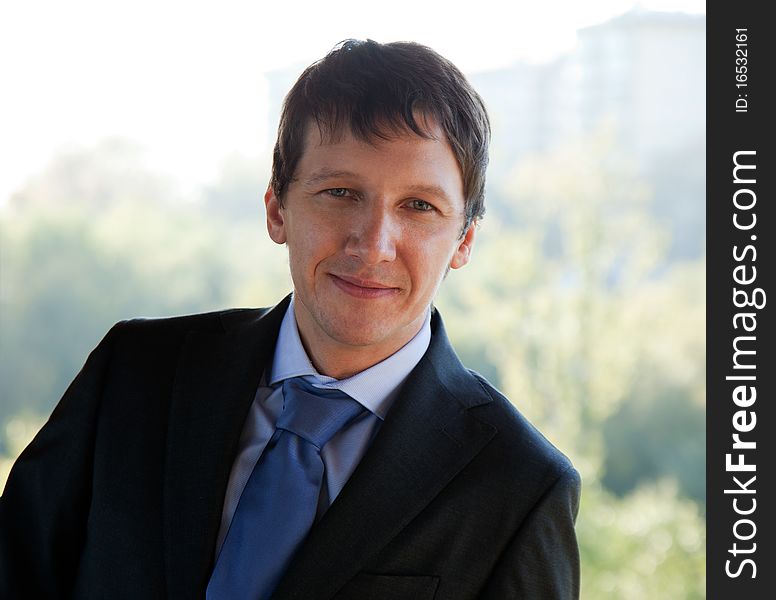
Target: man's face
x,y
371,230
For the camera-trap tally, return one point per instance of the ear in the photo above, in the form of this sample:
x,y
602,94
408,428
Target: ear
x,y
463,252
276,225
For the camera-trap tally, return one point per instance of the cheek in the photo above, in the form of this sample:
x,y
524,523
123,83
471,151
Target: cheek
x,y
428,258
309,246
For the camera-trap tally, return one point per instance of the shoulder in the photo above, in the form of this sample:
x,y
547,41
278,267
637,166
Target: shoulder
x,y
520,455
516,427
148,345
144,330
215,322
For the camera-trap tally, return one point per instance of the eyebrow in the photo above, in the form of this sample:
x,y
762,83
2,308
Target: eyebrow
x,y
325,173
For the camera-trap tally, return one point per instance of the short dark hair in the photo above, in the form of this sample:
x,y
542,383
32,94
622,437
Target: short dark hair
x,y
375,90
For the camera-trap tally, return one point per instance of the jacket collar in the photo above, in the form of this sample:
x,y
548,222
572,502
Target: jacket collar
x,y
428,436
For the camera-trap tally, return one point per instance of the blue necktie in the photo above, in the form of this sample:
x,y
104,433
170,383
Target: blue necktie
x,y
278,505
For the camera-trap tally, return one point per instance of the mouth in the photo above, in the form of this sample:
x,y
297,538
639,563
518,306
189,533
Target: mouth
x,y
363,288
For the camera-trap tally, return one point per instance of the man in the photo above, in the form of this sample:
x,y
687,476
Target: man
x,y
188,458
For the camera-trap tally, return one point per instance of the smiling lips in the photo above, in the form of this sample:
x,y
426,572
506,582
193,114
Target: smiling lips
x,y
361,288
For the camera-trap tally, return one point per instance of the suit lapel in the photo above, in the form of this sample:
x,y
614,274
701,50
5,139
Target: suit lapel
x,y
425,441
218,375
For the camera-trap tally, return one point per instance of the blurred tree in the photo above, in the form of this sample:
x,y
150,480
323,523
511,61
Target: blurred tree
x,y
588,324
238,193
95,179
95,239
572,306
650,544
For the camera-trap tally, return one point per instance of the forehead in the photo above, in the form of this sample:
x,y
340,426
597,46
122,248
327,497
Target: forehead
x,y
399,157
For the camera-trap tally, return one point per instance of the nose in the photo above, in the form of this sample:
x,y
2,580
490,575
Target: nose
x,y
373,237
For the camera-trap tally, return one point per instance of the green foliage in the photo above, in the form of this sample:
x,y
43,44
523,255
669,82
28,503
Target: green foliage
x,y
72,266
647,545
658,434
599,339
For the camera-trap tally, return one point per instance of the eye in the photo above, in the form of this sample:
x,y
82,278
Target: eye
x,y
420,205
338,192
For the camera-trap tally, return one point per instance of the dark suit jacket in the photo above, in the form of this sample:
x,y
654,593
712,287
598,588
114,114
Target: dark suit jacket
x,y
120,494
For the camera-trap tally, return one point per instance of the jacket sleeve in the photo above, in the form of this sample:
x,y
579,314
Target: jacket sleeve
x,y
44,506
541,562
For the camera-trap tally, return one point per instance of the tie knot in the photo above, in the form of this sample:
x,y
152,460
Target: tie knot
x,y
315,414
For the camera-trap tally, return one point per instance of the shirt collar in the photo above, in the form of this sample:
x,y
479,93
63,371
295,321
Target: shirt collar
x,y
374,388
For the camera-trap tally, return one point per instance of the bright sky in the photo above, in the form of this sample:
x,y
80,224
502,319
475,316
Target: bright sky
x,y
185,78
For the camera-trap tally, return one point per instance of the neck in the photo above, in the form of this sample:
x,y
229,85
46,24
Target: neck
x,y
341,360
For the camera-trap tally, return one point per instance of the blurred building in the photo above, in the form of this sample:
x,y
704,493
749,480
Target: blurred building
x,y
646,72
641,75
279,82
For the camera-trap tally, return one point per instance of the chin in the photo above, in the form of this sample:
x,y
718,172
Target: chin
x,y
355,333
